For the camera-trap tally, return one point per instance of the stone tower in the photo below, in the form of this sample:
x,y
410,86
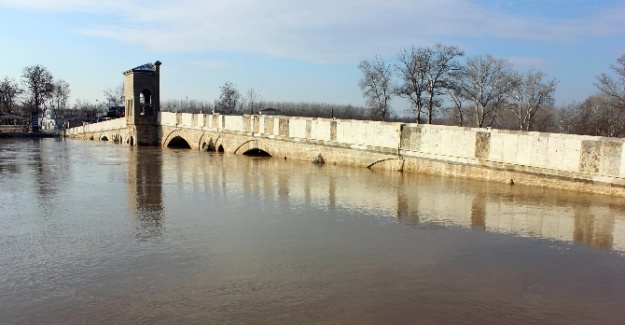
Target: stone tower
x,y
142,94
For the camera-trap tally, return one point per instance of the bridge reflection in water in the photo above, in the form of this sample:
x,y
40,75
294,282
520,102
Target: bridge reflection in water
x,y
145,192
532,212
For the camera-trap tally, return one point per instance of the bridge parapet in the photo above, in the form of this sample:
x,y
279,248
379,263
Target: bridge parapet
x,y
362,135
110,125
167,118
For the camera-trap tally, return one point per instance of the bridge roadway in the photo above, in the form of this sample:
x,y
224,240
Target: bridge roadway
x,y
581,163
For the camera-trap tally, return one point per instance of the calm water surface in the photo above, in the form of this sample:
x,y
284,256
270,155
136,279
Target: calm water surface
x,y
97,233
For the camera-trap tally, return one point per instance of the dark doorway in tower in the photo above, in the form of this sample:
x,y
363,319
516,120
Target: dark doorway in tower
x,y
145,102
178,143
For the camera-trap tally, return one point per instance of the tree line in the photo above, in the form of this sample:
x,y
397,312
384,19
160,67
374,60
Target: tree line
x,y
484,91
481,91
38,90
232,101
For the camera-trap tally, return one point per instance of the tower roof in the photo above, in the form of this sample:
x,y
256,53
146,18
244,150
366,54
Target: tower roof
x,y
145,67
148,67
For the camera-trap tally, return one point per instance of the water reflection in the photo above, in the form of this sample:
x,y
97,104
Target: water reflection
x,y
598,221
8,161
595,228
36,169
145,191
478,212
51,167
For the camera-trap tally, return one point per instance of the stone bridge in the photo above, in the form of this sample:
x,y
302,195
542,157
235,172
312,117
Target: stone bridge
x,y
582,163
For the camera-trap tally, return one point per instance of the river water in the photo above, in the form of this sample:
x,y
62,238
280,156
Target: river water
x,y
98,233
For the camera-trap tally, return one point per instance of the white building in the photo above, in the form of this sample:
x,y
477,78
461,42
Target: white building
x,y
49,120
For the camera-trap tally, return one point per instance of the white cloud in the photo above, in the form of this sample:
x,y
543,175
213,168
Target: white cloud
x,y
321,30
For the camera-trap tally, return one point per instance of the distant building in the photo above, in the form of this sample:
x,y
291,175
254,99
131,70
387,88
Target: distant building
x,y
12,119
116,111
50,120
59,118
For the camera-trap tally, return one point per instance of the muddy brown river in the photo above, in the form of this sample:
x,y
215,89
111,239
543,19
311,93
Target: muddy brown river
x,y
98,233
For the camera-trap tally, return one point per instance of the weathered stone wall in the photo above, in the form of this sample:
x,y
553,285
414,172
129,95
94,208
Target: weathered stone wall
x,y
576,162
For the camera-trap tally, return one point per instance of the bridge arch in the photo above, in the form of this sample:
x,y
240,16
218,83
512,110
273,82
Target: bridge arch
x,y
253,147
103,137
256,152
389,164
176,140
128,139
219,145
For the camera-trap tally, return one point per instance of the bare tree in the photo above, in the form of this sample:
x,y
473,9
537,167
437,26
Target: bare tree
x,y
531,94
439,72
614,88
60,95
376,86
9,90
596,116
413,76
115,97
87,109
311,109
486,82
564,119
186,106
456,109
253,100
229,98
39,86
426,72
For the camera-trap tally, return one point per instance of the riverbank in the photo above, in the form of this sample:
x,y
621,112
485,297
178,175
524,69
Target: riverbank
x,y
30,135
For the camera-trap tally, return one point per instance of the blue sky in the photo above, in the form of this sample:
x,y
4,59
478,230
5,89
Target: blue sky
x,y
291,50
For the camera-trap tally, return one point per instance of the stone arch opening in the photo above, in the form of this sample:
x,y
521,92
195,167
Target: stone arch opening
x,y
178,143
253,148
220,149
208,145
104,138
256,152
